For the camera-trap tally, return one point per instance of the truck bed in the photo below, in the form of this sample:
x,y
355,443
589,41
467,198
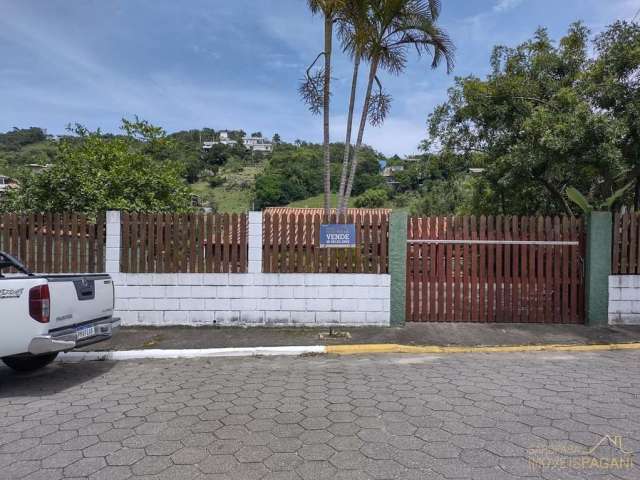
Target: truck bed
x,y
81,311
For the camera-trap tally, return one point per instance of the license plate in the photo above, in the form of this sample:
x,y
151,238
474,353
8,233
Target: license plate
x,y
85,332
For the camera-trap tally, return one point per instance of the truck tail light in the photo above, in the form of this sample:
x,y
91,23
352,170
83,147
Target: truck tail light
x,y
40,303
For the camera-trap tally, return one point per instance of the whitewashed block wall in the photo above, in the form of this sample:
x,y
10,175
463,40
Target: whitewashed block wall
x,y
253,299
624,300
246,299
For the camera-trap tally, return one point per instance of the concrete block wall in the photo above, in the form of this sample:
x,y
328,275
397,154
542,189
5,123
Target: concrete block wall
x,y
246,299
253,299
112,248
624,299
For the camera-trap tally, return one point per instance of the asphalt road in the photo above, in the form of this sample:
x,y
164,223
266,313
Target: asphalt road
x,y
466,416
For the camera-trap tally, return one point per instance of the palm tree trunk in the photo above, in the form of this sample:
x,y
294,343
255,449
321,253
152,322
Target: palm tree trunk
x,y
347,141
363,123
328,36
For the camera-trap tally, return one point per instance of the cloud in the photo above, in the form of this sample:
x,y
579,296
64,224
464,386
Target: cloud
x,y
396,136
296,30
280,60
506,5
499,8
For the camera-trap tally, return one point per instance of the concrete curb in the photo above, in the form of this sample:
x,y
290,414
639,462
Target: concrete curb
x,y
395,348
330,349
190,353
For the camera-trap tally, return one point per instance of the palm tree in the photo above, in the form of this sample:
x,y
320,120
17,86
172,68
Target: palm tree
x,y
329,9
353,32
394,27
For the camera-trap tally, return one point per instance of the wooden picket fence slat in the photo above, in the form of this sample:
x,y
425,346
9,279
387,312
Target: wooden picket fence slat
x,y
55,242
489,279
291,243
184,243
625,258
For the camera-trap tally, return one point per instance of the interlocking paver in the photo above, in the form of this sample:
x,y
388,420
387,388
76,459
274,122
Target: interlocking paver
x,y
151,465
283,461
218,464
252,454
163,448
189,456
458,416
84,467
21,468
125,456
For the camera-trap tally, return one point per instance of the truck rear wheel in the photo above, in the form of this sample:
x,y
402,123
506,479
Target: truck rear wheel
x,y
29,363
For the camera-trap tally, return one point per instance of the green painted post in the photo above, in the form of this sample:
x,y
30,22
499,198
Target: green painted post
x,y
398,267
598,268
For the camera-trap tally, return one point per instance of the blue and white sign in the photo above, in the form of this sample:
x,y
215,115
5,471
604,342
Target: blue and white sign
x,y
338,236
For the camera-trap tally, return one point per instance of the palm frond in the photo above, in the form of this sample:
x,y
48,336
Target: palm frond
x,y
311,88
379,106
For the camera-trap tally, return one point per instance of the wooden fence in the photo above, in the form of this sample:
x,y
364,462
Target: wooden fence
x,y
626,244
55,243
184,243
291,244
495,269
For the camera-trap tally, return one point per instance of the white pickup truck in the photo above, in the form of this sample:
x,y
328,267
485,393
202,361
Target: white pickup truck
x,y
42,315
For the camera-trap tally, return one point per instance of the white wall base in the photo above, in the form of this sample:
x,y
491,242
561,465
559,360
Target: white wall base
x,y
624,300
253,299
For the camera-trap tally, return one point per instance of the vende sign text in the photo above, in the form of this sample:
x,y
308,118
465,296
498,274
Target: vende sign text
x,y
338,236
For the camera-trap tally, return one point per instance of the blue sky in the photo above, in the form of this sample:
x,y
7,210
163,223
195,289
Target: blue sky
x,y
233,64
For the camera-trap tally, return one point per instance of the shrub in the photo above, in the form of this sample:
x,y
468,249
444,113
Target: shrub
x,y
373,198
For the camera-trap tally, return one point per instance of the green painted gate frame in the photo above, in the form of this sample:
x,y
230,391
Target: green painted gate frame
x,y
398,267
597,267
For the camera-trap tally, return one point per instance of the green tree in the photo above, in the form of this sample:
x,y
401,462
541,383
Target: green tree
x,y
21,137
94,173
394,27
215,157
295,173
531,128
613,84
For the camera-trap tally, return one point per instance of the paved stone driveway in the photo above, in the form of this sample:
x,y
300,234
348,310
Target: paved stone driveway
x,y
406,417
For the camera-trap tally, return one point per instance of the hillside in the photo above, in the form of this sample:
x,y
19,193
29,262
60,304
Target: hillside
x,y
226,177
235,195
21,147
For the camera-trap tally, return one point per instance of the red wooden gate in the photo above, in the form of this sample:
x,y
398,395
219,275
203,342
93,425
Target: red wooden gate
x,y
495,269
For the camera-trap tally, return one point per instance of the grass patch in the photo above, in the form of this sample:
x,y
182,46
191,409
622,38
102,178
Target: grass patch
x,y
235,195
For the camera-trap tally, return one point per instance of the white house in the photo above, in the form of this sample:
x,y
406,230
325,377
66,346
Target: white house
x,y
6,184
256,144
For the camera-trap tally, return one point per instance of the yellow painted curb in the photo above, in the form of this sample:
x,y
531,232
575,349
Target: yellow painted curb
x,y
395,348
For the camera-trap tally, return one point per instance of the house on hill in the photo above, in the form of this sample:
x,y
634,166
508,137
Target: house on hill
x,y
7,183
255,144
389,174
